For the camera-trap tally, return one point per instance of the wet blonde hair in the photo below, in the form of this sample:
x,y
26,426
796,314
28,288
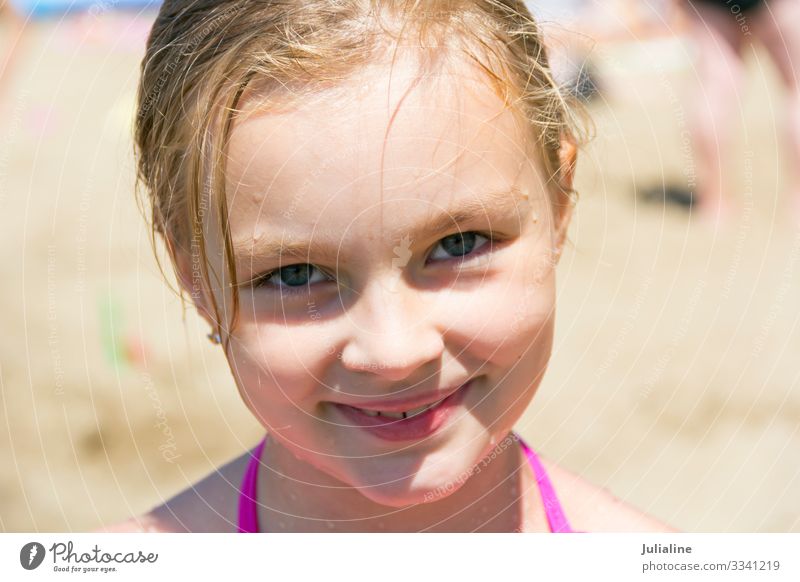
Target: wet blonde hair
x,y
202,56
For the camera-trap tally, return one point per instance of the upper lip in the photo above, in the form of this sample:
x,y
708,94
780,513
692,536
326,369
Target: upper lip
x,y
405,404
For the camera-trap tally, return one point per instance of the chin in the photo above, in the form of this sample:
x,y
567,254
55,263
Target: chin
x,y
432,478
404,493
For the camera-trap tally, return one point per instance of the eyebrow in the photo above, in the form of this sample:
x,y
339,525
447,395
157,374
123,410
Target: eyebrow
x,y
503,201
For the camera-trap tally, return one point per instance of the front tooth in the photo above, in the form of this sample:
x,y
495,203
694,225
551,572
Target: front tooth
x,y
398,415
420,409
369,412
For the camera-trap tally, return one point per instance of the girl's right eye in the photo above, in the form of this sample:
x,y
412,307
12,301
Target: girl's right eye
x,y
291,280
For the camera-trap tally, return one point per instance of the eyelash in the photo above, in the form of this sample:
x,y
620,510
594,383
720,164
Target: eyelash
x,y
297,290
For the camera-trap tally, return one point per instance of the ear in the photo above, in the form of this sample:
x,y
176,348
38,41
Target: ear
x,y
568,157
190,280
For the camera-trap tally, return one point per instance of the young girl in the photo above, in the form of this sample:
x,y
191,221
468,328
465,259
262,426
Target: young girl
x,y
366,201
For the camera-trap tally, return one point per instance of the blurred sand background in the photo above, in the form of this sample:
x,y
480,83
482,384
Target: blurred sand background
x,y
675,380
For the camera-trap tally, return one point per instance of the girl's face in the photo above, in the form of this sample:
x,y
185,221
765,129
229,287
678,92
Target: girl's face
x,y
384,264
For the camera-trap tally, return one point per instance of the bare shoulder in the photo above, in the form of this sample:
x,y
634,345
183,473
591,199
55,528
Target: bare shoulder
x,y
138,524
594,509
209,505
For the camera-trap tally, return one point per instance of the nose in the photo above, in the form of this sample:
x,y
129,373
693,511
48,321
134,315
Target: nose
x,y
391,336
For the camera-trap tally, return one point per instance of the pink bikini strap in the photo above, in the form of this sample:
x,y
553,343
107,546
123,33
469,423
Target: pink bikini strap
x,y
248,510
552,507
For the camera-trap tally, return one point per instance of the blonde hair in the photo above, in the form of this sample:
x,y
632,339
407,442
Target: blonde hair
x,y
202,55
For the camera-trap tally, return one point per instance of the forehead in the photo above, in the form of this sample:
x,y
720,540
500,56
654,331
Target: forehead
x,y
387,142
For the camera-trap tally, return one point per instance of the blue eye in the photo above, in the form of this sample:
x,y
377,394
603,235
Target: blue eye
x,y
292,279
460,245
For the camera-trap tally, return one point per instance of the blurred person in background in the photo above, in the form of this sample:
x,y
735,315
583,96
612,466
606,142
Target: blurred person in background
x,y
720,31
574,28
564,23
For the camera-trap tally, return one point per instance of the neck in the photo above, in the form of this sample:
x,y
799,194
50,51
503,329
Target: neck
x,y
299,497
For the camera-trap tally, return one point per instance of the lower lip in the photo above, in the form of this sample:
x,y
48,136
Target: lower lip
x,y
406,429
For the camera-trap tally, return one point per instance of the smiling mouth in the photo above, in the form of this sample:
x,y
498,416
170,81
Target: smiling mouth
x,y
399,421
402,414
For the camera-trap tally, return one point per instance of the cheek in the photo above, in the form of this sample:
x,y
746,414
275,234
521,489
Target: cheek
x,y
280,367
532,312
516,341
507,318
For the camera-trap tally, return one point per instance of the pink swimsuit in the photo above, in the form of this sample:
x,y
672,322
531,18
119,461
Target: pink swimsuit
x,y
248,516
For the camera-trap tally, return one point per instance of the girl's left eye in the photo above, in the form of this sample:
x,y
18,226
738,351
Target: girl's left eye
x,y
297,279
460,245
